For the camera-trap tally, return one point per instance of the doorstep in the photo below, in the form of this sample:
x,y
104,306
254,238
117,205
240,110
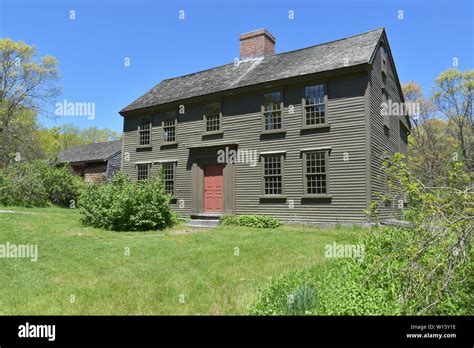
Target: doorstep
x,y
203,223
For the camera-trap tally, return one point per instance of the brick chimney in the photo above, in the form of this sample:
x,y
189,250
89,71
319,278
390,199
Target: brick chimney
x,y
256,44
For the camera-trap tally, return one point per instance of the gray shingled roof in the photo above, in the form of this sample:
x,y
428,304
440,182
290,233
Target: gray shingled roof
x,y
91,152
354,50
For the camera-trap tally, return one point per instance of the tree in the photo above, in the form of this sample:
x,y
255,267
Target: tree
x,y
27,84
431,144
453,96
56,139
437,253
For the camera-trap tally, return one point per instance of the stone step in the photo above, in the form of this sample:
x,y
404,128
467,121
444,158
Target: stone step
x,y
205,223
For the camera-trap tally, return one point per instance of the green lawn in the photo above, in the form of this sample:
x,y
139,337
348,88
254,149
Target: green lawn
x,y
164,268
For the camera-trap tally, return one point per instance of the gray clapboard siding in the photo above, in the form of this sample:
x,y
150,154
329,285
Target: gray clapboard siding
x,y
356,128
241,124
381,141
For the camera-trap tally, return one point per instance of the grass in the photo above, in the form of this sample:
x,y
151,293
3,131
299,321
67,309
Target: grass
x,y
179,271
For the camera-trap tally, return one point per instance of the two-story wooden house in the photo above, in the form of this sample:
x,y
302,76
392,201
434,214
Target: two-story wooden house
x,y
297,135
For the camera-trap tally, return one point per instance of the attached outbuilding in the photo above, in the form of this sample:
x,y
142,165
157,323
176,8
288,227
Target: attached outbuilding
x,y
94,162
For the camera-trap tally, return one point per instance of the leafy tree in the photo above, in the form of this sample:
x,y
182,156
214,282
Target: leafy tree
x,y
453,96
56,139
431,144
27,84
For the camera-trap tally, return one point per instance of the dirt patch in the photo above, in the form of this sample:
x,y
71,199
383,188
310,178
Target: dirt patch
x,y
187,230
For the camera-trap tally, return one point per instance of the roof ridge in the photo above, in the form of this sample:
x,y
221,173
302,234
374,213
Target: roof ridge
x,y
278,54
329,42
151,96
96,143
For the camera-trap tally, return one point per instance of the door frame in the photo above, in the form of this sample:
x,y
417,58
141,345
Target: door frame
x,y
198,158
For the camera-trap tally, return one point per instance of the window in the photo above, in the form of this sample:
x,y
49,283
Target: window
x,y
272,106
168,177
314,105
272,175
142,171
144,130
169,127
212,117
316,171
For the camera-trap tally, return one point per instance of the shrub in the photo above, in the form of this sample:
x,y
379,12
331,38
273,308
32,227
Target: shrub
x,y
422,270
372,287
62,185
38,184
258,221
344,286
126,205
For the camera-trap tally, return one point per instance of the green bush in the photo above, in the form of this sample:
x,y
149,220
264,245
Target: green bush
x,y
425,269
38,184
258,221
374,286
343,289
125,205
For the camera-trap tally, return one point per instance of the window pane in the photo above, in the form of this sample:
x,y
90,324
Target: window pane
x,y
316,184
271,101
272,120
212,123
212,109
314,94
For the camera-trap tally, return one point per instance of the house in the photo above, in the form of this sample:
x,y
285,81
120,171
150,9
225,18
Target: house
x,y
94,162
297,135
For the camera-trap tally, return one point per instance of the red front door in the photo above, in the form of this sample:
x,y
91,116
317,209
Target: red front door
x,y
213,188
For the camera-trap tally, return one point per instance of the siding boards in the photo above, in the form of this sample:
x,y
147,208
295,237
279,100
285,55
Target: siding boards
x,y
381,141
241,123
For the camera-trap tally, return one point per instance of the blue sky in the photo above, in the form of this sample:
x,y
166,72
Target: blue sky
x,y
92,48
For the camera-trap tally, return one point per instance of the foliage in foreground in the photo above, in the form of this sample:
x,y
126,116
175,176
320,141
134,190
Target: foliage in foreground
x,y
38,184
374,286
258,221
125,205
426,269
